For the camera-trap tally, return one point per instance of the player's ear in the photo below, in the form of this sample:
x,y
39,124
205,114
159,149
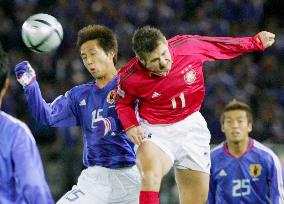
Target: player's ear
x,y
166,41
222,127
111,54
249,127
142,60
5,88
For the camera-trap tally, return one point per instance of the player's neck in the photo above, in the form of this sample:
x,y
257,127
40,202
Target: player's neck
x,y
237,149
103,81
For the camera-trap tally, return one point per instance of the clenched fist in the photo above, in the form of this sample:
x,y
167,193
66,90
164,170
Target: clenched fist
x,y
266,38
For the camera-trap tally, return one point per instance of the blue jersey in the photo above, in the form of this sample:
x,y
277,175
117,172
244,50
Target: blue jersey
x,y
22,179
254,178
82,106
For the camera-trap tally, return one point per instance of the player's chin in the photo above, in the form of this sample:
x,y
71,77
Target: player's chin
x,y
169,66
94,74
236,138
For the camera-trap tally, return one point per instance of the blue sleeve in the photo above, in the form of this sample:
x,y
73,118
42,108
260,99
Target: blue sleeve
x,y
276,181
59,113
29,173
211,193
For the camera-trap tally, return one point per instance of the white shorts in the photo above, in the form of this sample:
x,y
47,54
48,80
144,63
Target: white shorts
x,y
99,185
186,142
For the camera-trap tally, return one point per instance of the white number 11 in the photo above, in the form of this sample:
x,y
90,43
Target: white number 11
x,y
182,99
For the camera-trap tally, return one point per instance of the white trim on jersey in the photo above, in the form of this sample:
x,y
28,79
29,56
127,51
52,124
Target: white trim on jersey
x,y
107,125
278,168
57,98
217,147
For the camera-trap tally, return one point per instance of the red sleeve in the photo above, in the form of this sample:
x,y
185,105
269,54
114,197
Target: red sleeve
x,y
214,48
125,104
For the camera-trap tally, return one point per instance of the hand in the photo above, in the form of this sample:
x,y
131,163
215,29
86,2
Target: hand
x,y
135,134
103,126
25,74
266,38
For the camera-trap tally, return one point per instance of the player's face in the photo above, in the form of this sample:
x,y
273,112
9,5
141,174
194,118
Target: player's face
x,y
95,59
236,126
160,60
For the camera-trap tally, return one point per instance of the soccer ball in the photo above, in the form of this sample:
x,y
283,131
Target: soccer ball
x,y
42,33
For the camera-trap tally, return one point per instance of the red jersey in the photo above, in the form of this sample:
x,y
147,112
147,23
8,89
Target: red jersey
x,y
171,98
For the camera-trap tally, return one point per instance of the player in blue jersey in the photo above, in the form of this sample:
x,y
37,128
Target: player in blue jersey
x,y
22,179
111,175
243,170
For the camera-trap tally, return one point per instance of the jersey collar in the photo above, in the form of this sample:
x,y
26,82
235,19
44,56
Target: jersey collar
x,y
250,146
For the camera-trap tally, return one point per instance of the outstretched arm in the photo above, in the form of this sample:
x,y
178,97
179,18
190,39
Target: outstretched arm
x,y
57,114
213,48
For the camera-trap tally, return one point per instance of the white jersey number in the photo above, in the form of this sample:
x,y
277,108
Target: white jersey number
x,y
181,98
241,187
96,115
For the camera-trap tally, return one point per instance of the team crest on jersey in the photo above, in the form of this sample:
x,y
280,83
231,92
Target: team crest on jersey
x,y
255,170
111,97
190,76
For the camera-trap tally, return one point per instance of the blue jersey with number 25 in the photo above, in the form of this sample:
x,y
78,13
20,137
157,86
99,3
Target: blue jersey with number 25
x,y
253,178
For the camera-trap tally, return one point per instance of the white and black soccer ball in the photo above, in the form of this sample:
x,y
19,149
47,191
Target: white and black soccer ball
x,y
42,33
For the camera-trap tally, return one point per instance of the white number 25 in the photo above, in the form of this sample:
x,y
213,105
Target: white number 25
x,y
241,187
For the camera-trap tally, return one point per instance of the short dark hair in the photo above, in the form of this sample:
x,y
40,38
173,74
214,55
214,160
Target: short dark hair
x,y
4,67
105,37
237,105
146,40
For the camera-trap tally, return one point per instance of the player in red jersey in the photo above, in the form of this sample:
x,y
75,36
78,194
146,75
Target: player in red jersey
x,y
166,79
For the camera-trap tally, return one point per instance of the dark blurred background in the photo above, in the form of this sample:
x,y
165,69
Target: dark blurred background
x,y
256,78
